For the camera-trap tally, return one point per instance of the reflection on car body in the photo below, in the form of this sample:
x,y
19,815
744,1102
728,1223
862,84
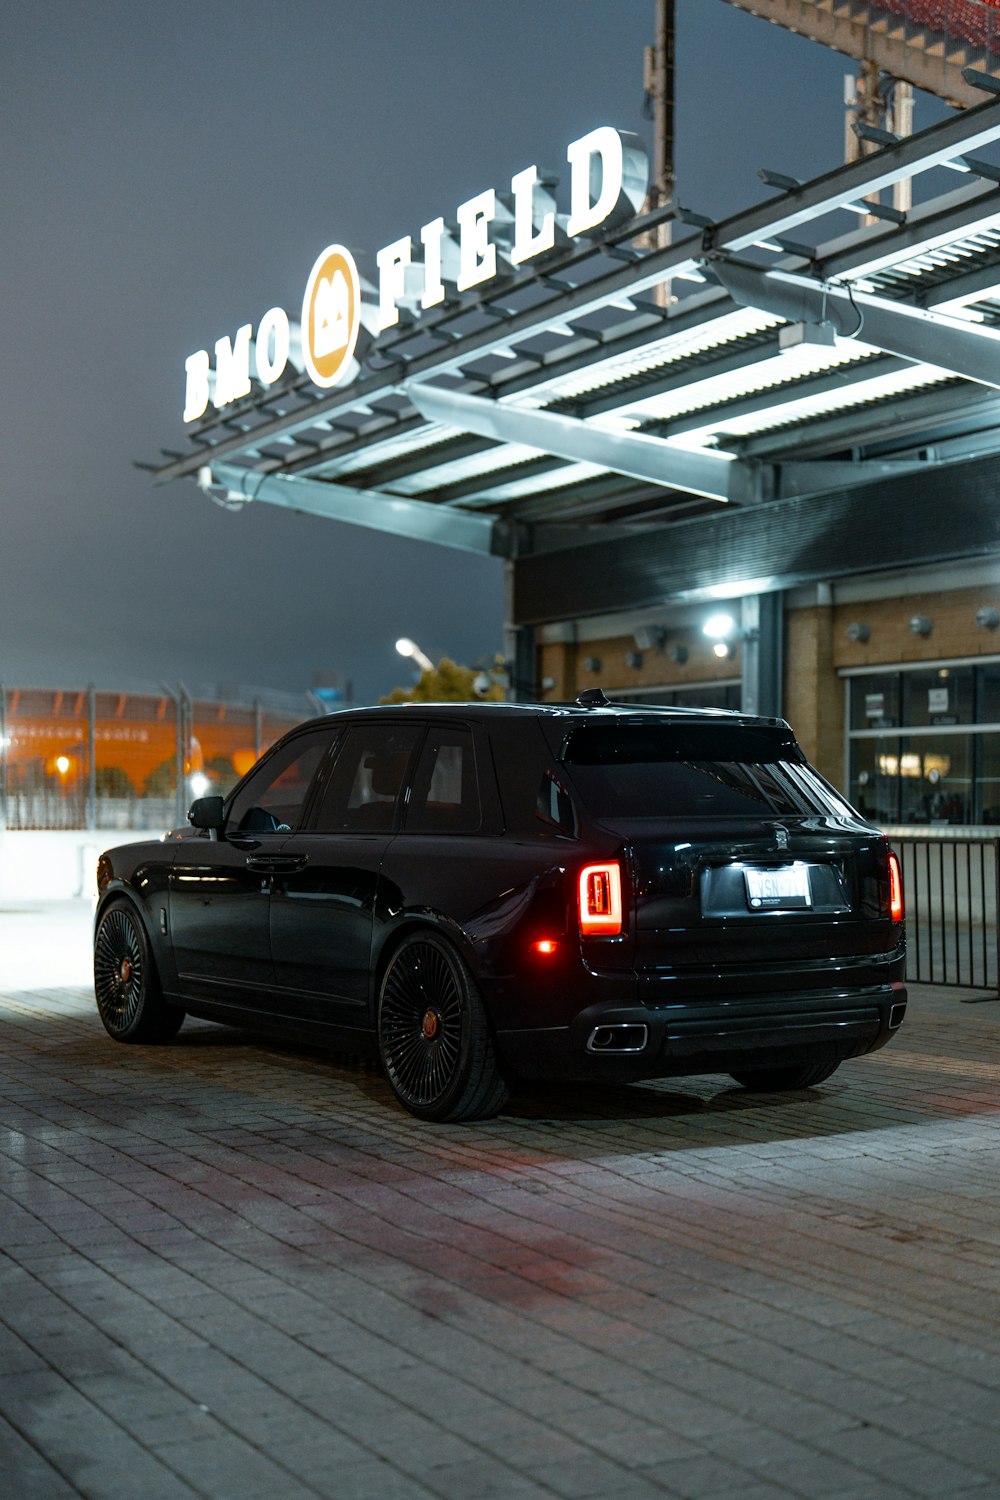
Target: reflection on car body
x,y
486,892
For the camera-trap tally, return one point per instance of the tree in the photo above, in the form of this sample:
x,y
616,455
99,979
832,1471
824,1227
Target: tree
x,y
221,769
162,780
449,683
112,781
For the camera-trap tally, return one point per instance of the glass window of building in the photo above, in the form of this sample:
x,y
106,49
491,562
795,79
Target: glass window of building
x,y
940,765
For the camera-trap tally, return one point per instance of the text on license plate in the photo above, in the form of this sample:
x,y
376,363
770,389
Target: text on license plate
x,y
788,886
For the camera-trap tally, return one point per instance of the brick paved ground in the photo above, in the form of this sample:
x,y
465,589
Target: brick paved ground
x,y
235,1269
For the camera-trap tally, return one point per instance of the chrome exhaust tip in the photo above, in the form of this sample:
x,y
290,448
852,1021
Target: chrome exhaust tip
x,y
623,1037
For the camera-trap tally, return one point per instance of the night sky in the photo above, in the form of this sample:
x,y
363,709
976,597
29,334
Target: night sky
x,y
171,170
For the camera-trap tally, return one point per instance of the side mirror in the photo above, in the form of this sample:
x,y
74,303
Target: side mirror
x,y
207,812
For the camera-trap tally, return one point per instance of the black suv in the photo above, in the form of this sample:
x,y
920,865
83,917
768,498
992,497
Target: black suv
x,y
480,892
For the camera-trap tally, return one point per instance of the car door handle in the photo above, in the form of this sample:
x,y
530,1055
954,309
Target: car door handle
x,y
277,864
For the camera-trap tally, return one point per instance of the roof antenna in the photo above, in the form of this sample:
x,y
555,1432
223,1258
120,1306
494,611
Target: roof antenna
x,y
594,698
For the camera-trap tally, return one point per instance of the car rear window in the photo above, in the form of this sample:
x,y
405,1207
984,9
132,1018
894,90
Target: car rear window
x,y
694,770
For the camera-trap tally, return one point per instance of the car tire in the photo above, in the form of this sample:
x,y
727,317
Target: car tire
x,y
781,1080
433,1035
130,1000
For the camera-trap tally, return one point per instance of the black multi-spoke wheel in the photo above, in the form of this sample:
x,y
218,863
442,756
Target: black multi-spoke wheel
x,y
434,1036
779,1080
129,999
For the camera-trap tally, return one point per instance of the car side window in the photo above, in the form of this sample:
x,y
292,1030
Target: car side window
x,y
555,805
274,798
366,784
445,796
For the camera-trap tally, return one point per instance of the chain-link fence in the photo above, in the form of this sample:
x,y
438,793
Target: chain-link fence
x,y
79,758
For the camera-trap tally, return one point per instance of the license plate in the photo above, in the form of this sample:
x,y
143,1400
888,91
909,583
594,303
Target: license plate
x,y
785,887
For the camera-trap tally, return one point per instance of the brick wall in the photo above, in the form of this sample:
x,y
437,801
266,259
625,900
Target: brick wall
x,y
563,661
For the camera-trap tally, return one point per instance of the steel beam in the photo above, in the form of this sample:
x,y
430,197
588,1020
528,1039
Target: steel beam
x,y
417,520
630,453
925,337
929,226
886,423
939,144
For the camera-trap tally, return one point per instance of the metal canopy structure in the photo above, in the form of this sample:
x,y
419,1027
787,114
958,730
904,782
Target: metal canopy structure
x,y
801,357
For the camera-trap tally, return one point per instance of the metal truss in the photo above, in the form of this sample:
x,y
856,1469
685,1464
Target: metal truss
x,y
549,358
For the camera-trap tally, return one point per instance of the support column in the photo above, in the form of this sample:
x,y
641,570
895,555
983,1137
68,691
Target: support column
x,y
519,648
763,631
520,641
814,696
91,757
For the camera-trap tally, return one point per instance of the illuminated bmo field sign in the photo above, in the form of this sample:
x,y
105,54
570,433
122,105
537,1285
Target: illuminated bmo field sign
x,y
490,233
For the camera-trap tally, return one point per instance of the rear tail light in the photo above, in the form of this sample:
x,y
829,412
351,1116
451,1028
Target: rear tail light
x,y
895,889
600,899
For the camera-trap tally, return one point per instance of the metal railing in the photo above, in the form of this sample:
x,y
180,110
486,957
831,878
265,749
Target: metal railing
x,y
951,887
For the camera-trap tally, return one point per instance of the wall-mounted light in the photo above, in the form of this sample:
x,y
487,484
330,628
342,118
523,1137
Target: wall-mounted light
x,y
649,637
633,659
858,632
988,618
679,654
720,627
723,631
592,663
921,624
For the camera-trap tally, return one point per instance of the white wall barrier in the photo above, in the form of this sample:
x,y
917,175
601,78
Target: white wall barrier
x,y
56,866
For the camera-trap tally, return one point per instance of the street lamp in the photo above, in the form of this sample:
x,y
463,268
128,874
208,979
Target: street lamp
x,y
409,648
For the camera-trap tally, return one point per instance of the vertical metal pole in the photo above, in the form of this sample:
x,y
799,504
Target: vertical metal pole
x,y
258,727
968,897
187,722
659,86
918,924
900,122
986,911
179,808
91,757
944,928
3,757
663,98
179,759
996,892
954,919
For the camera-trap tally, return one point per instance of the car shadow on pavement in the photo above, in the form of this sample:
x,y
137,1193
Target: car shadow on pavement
x,y
670,1114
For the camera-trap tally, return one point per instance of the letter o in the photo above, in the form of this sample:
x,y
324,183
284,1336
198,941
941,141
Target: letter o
x,y
273,326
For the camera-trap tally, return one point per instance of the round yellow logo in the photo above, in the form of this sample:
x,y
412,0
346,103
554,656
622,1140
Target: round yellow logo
x,y
331,316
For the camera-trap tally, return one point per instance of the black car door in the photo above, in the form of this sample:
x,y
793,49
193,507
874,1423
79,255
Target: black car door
x,y
448,861
323,905
220,889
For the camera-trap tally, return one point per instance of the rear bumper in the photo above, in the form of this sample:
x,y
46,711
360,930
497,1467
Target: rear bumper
x,y
719,1036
